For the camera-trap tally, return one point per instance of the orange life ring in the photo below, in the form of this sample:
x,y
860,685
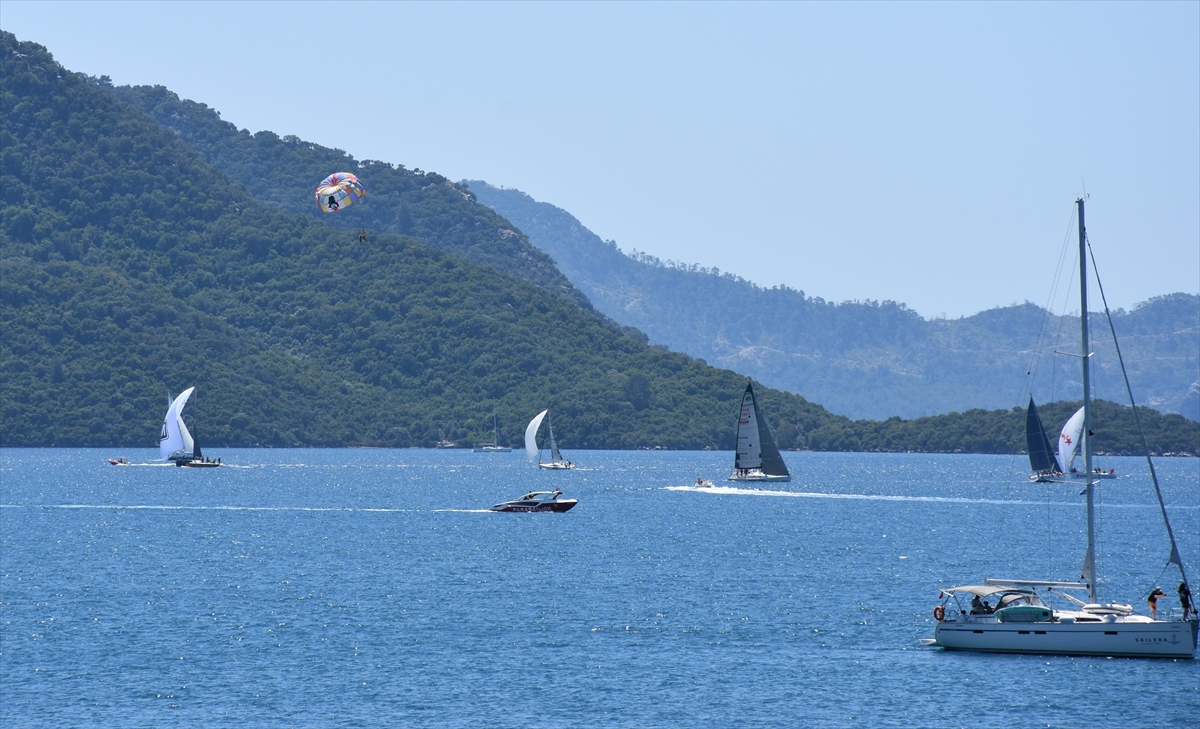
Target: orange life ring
x,y
939,613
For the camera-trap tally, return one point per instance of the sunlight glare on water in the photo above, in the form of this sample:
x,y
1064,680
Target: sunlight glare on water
x,y
374,587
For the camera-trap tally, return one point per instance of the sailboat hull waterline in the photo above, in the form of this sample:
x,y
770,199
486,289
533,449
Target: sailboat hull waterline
x,y
1020,621
1123,637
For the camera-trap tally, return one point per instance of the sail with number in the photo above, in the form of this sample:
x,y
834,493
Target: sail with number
x,y
175,436
1069,441
757,457
1041,452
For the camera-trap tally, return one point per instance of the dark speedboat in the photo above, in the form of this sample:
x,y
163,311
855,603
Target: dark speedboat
x,y
538,501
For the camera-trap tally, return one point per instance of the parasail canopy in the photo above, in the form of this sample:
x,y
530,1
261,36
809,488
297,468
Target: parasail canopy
x,y
339,190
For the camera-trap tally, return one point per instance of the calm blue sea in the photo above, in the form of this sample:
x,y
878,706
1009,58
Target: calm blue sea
x,y
372,587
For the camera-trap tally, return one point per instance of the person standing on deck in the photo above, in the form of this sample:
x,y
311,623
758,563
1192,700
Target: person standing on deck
x,y
1153,601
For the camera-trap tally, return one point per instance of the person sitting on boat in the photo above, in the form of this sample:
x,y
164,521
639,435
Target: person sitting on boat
x,y
977,607
1153,602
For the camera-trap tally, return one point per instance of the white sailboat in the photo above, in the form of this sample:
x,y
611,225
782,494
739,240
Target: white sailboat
x,y
1022,620
757,457
1052,465
534,452
494,446
176,442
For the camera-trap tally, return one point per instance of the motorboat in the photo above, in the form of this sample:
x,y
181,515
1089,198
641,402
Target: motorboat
x,y
1022,619
120,461
757,457
537,501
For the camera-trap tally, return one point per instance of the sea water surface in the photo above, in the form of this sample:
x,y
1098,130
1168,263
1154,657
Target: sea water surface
x,y
373,587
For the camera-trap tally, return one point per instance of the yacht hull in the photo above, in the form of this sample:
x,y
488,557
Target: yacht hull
x,y
557,507
1150,639
759,477
556,466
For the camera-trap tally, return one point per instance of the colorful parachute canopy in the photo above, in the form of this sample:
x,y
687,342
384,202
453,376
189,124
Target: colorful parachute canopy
x,y
339,190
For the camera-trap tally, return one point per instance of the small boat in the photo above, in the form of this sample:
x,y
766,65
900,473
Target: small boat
x,y
494,446
446,444
176,444
1022,620
537,501
757,457
534,452
120,461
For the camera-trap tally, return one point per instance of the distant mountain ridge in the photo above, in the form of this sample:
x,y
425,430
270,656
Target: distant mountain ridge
x,y
864,359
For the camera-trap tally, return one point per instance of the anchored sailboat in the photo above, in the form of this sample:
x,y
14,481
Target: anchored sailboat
x,y
494,446
1020,621
757,457
534,452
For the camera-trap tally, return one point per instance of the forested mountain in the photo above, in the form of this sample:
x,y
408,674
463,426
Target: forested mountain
x,y
130,266
284,172
866,359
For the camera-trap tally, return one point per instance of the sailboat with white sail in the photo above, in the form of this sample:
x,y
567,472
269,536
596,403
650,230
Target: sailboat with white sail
x,y
176,445
494,446
1022,620
757,457
534,451
1052,465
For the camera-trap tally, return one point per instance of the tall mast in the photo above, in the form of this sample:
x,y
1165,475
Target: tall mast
x,y
1089,561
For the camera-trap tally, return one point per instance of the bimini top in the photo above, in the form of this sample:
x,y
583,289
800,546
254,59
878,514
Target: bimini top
x,y
984,590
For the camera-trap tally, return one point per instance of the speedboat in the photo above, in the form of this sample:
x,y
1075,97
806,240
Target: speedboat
x,y
538,501
119,461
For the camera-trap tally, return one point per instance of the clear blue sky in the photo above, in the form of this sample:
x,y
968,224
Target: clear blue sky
x,y
924,153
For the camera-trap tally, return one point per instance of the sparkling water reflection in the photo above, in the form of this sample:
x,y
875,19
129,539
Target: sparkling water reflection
x,y
343,588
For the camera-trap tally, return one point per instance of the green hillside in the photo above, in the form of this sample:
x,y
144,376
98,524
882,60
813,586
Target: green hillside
x,y
284,172
130,266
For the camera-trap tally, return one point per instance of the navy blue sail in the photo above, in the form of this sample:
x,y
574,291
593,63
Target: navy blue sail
x,y
1041,452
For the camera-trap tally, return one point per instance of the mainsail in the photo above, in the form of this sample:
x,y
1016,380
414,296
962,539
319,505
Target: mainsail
x,y
554,454
1069,440
175,435
1041,452
531,447
756,448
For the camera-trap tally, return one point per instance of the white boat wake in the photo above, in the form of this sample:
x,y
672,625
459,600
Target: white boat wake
x,y
735,491
154,507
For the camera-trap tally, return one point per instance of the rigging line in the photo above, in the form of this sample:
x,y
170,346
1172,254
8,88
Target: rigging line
x,y
1048,311
1175,556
